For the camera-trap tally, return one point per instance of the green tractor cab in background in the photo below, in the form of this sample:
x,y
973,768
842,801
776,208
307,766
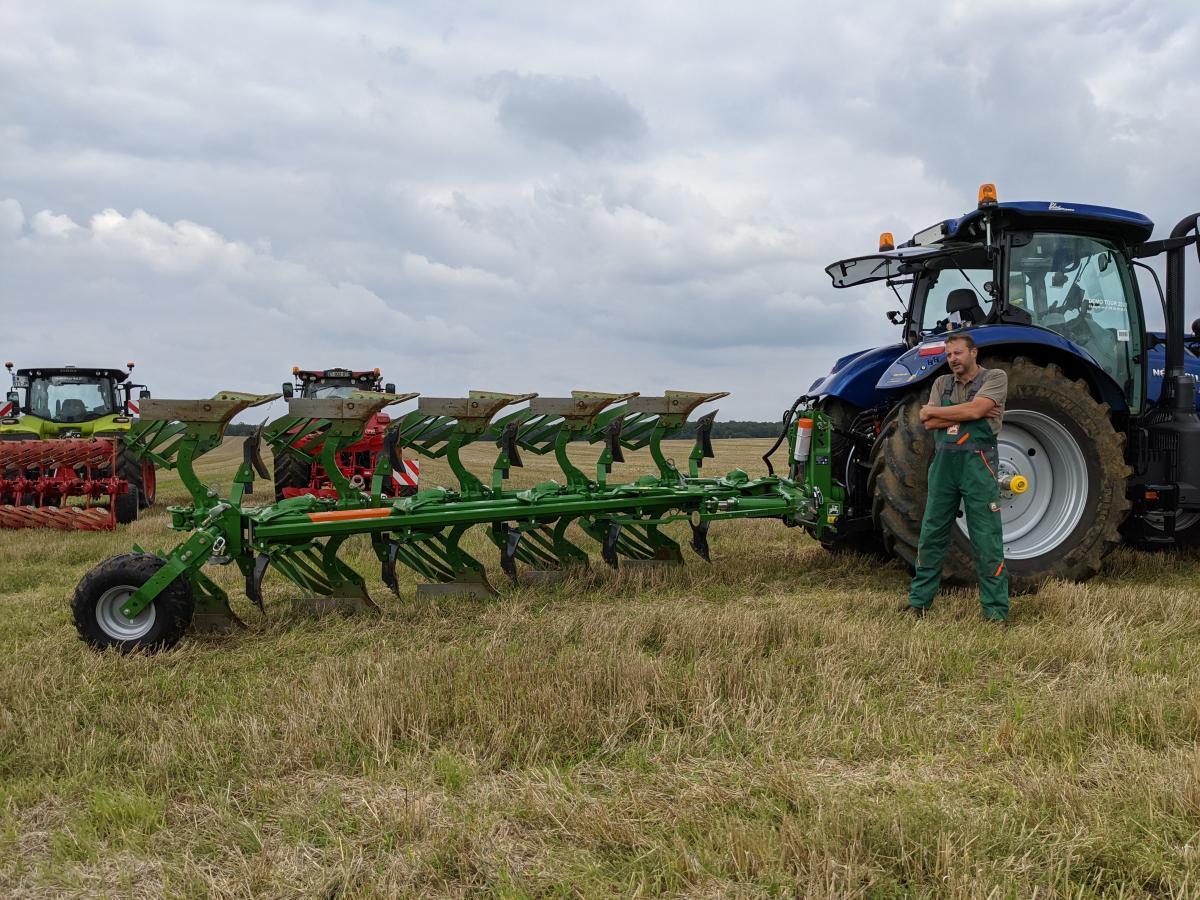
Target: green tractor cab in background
x,y
63,406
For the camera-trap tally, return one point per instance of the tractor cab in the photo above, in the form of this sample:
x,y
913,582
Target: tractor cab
x,y
65,400
1066,269
332,383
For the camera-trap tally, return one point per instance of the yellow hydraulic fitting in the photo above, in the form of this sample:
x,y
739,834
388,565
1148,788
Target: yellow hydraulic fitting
x,y
1016,484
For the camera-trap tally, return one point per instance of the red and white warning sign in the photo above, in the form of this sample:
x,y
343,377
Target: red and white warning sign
x,y
409,474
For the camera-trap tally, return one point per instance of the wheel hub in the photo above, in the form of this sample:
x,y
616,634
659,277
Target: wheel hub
x,y
1040,449
115,623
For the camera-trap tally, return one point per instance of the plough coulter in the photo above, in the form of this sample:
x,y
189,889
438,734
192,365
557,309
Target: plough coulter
x,y
147,601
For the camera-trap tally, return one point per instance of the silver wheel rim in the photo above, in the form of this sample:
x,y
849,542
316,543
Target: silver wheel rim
x,y
114,623
1040,448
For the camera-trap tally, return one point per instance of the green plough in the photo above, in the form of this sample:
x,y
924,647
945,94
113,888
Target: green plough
x,y
147,601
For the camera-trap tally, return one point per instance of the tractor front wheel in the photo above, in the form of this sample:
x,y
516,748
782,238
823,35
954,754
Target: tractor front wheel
x,y
96,607
1057,436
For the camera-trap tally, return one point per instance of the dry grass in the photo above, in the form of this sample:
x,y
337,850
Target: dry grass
x,y
763,726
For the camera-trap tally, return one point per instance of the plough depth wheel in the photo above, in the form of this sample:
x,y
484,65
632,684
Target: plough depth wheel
x,y
96,607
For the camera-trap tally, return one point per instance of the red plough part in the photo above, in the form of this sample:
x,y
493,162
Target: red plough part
x,y
38,477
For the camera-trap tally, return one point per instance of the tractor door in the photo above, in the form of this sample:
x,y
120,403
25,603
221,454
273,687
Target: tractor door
x,y
1080,287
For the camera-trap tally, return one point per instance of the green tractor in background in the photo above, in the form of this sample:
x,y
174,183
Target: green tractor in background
x,y
63,434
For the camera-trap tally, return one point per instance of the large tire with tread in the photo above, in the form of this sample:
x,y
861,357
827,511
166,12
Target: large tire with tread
x,y
137,473
844,457
290,472
96,606
1084,497
127,505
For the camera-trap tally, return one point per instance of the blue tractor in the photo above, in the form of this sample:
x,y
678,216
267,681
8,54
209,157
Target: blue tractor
x,y
1101,417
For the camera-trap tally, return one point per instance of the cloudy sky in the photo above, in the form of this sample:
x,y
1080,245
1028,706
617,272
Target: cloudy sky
x,y
539,197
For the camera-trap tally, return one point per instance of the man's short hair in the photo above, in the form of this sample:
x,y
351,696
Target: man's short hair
x,y
964,337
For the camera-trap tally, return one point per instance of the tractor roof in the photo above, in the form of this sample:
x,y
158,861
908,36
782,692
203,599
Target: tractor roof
x,y
1121,224
952,237
117,375
356,374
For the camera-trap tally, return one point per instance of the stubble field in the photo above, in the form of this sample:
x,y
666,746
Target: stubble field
x,y
767,725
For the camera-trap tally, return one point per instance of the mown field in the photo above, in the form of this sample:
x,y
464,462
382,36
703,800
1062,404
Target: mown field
x,y
767,725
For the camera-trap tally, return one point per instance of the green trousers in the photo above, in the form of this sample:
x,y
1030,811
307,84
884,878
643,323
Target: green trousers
x,y
967,478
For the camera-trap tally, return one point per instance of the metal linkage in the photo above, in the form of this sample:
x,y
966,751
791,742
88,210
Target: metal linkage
x,y
532,528
38,478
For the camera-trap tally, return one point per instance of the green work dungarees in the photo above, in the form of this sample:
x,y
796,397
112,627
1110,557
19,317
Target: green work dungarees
x,y
963,471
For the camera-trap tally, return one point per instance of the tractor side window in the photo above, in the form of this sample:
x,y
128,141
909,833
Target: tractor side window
x,y
942,283
1079,287
69,398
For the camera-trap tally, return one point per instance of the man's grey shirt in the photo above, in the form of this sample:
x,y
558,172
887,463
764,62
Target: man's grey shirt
x,y
993,385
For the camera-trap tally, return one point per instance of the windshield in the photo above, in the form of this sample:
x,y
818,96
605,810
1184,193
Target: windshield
x,y
329,391
71,398
1079,287
970,306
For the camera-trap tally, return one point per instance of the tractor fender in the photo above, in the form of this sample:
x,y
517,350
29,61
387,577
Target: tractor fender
x,y
928,359
854,376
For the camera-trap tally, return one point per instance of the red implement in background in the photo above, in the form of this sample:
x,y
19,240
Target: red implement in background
x,y
38,478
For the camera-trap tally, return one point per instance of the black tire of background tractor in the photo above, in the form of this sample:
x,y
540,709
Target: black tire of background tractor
x,y
1186,538
128,504
869,543
137,473
173,607
290,472
900,468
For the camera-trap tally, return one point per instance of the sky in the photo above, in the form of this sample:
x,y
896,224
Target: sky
x,y
541,196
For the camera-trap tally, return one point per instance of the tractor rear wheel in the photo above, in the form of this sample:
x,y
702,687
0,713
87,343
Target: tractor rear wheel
x,y
1056,435
849,461
128,504
290,473
138,473
96,607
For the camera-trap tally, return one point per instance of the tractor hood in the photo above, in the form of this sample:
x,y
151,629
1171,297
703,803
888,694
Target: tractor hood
x,y
928,358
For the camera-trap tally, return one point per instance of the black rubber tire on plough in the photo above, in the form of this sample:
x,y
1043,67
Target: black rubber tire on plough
x,y
290,472
901,457
159,627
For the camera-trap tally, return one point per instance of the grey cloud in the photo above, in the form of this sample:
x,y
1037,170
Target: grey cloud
x,y
582,114
435,188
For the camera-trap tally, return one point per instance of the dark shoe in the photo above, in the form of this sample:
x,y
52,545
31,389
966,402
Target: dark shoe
x,y
1000,623
917,612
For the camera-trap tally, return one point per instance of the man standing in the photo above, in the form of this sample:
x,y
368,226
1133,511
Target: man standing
x,y
964,412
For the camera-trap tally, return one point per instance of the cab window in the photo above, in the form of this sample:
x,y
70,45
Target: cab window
x,y
937,316
70,398
1079,287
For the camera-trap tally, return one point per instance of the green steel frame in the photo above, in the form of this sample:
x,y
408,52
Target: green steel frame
x,y
300,538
